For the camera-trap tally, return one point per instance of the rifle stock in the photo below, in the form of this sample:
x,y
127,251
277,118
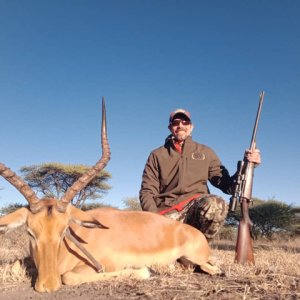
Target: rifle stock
x,y
243,194
244,249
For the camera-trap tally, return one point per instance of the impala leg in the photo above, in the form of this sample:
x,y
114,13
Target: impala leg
x,y
206,267
211,269
74,278
198,252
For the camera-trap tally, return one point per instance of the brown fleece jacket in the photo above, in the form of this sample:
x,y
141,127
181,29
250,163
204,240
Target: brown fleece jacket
x,y
170,177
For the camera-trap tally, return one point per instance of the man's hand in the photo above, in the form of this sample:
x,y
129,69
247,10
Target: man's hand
x,y
253,156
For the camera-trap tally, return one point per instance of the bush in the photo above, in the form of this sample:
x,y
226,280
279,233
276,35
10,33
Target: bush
x,y
132,203
227,233
10,208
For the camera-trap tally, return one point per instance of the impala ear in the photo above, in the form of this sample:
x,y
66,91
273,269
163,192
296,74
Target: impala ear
x,y
14,219
83,219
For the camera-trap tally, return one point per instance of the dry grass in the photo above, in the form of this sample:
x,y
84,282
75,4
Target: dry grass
x,y
14,245
276,274
14,249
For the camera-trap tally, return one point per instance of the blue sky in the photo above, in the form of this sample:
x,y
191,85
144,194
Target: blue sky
x,y
58,58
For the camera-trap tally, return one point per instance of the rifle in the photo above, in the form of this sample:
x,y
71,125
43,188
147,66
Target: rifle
x,y
243,194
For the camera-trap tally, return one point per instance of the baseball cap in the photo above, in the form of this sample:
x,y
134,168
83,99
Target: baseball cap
x,y
179,111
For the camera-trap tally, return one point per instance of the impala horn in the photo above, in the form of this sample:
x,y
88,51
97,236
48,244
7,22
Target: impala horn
x,y
22,187
89,175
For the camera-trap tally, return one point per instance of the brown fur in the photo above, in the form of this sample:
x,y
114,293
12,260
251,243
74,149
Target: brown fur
x,y
131,242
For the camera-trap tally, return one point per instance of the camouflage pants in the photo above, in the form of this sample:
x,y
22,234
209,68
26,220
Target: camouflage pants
x,y
206,213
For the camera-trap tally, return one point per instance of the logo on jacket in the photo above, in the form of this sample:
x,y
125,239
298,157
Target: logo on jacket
x,y
198,156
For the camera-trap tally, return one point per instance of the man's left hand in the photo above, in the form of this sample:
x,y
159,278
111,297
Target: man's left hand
x,y
253,156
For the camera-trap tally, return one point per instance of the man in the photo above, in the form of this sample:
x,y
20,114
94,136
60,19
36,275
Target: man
x,y
175,178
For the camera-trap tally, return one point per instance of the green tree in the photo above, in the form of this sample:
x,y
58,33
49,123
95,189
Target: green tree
x,y
272,217
53,180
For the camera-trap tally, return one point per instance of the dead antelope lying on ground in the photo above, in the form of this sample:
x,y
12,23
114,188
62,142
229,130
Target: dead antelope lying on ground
x,y
71,246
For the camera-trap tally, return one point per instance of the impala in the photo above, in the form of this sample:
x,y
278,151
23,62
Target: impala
x,y
70,246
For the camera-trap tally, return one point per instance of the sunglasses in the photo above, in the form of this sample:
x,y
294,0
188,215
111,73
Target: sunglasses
x,y
183,122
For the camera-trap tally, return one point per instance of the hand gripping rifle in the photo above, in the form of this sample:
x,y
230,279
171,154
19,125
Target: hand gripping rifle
x,y
243,194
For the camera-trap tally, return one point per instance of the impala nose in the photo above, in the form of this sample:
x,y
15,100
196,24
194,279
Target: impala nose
x,y
48,285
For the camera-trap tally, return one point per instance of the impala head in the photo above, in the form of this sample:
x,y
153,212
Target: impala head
x,y
48,220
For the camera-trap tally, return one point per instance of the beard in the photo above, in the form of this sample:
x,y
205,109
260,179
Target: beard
x,y
180,135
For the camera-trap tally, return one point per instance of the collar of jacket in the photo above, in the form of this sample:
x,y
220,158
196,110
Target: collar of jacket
x,y
169,146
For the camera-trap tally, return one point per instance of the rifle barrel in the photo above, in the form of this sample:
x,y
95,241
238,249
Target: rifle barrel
x,y
261,100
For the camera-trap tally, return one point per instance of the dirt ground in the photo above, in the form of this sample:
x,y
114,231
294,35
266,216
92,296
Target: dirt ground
x,y
185,286
155,288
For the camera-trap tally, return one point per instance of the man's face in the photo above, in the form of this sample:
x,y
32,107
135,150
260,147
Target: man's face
x,y
181,127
